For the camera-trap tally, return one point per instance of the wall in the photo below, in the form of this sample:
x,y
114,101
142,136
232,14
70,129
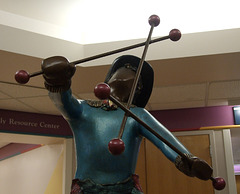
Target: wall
x,y
195,118
38,171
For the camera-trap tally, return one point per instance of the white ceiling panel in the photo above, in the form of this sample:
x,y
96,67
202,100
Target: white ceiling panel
x,y
228,89
175,105
179,93
20,91
217,102
41,104
13,104
4,96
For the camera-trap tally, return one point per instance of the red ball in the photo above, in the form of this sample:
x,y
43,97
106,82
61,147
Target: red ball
x,y
154,20
102,91
22,77
116,146
219,183
175,34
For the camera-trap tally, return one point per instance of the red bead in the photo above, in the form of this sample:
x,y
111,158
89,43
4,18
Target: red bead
x,y
102,91
175,34
219,183
116,146
22,77
154,20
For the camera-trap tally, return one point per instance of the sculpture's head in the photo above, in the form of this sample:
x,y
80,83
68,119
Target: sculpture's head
x,y
121,77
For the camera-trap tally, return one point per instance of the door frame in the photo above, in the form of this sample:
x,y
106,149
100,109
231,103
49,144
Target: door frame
x,y
219,139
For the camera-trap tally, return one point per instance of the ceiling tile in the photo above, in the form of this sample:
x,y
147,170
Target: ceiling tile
x,y
42,104
179,93
177,105
19,91
228,89
218,102
4,96
234,101
12,104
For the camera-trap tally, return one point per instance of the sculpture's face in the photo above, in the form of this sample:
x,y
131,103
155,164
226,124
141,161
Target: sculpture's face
x,y
121,83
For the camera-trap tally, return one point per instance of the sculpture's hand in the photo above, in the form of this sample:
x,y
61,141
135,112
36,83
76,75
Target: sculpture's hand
x,y
194,167
57,72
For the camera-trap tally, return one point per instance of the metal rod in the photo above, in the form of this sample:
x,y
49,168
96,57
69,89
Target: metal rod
x,y
129,113
35,74
118,50
107,53
135,82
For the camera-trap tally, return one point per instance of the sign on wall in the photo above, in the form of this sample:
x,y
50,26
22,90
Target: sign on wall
x,y
33,123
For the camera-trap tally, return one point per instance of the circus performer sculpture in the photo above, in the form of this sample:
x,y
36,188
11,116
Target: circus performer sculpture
x,y
106,159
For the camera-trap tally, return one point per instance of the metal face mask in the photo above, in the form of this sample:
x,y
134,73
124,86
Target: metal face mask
x,y
121,83
128,64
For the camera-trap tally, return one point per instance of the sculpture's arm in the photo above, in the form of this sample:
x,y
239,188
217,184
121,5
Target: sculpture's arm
x,y
164,132
67,104
189,164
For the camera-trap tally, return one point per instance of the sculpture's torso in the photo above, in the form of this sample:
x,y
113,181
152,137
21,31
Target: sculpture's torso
x,y
92,132
93,128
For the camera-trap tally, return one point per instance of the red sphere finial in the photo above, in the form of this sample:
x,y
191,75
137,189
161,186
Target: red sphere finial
x,y
154,20
218,183
22,77
102,91
116,146
175,34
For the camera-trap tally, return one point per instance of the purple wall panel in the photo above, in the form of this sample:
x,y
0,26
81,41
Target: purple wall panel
x,y
195,118
180,119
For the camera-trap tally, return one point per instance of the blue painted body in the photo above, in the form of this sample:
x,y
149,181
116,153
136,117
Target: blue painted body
x,y
93,128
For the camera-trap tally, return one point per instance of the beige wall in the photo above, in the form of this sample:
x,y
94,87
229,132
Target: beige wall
x,y
31,172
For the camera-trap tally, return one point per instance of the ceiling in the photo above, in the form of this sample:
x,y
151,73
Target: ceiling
x,y
202,69
79,20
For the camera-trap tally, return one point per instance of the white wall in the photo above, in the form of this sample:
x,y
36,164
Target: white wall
x,y
30,172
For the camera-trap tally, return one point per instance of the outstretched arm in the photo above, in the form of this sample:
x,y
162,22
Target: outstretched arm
x,y
67,104
162,131
185,162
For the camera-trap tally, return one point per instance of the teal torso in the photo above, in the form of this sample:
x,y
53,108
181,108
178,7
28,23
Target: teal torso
x,y
92,132
93,128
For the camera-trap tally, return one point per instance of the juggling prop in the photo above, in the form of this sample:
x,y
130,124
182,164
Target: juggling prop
x,y
22,76
102,91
